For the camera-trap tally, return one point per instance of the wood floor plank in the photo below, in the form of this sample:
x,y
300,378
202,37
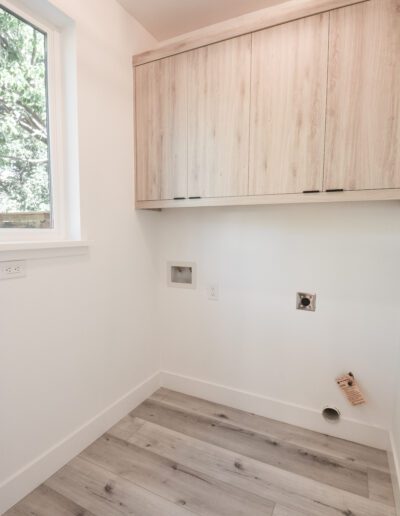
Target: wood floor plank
x,y
127,427
46,502
339,448
285,511
283,487
177,455
254,445
380,487
105,494
180,485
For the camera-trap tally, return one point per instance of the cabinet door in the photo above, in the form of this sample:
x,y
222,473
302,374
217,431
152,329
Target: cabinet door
x,y
219,112
363,122
288,103
161,129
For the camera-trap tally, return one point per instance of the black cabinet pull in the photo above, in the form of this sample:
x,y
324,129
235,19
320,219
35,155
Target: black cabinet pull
x,y
335,190
195,197
179,198
311,191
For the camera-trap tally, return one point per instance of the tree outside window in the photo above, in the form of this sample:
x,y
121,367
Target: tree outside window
x,y
25,190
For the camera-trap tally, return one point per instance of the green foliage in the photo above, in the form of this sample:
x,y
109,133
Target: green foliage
x,y
24,164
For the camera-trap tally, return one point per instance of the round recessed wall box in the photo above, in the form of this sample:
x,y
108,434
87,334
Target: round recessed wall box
x,y
331,414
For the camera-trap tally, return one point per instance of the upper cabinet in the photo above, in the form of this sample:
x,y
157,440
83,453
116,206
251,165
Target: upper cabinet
x,y
218,121
303,111
288,101
363,123
161,129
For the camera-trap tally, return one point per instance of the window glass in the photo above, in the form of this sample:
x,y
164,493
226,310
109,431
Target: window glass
x,y
25,192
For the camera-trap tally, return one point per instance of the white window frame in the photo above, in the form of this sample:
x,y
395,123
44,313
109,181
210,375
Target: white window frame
x,y
59,231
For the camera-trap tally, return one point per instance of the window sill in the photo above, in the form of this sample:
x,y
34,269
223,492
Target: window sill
x,y
37,250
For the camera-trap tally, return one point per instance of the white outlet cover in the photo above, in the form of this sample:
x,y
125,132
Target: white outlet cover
x,y
12,270
213,293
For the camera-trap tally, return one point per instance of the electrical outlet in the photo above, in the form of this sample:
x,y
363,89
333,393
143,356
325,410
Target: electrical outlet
x,y
213,293
11,270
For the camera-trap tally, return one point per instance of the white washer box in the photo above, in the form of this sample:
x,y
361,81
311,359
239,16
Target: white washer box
x,y
182,274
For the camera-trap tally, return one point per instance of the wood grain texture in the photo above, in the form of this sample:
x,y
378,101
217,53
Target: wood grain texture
x,y
288,103
161,129
106,494
180,485
284,511
143,467
353,453
380,487
283,487
218,119
261,19
44,501
255,200
302,461
363,119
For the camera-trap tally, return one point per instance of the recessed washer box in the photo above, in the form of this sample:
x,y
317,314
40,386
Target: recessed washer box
x,y
181,274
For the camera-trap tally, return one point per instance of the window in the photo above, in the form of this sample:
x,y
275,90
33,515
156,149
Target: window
x,y
25,164
39,151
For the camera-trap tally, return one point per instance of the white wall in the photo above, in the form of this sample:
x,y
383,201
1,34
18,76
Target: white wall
x,y
253,339
76,333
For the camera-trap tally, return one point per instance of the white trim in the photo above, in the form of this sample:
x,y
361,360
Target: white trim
x,y
33,474
38,250
29,246
394,462
29,17
56,100
55,113
298,415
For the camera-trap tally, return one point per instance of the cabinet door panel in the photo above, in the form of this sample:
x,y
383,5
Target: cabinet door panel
x,y
218,122
363,122
288,103
161,129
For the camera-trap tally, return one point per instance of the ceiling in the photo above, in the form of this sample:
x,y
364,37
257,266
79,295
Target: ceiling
x,y
166,19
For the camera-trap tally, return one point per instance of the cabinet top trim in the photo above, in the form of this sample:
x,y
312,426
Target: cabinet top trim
x,y
251,22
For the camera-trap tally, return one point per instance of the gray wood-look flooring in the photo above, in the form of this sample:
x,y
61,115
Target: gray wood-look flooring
x,y
179,455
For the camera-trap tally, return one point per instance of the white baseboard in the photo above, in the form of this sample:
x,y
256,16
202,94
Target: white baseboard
x,y
394,461
33,474
304,417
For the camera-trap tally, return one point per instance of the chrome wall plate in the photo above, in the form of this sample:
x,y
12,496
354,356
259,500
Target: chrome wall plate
x,y
306,302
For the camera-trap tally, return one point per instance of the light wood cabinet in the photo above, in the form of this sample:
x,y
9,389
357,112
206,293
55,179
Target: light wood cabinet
x,y
311,105
287,131
218,121
363,122
161,129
